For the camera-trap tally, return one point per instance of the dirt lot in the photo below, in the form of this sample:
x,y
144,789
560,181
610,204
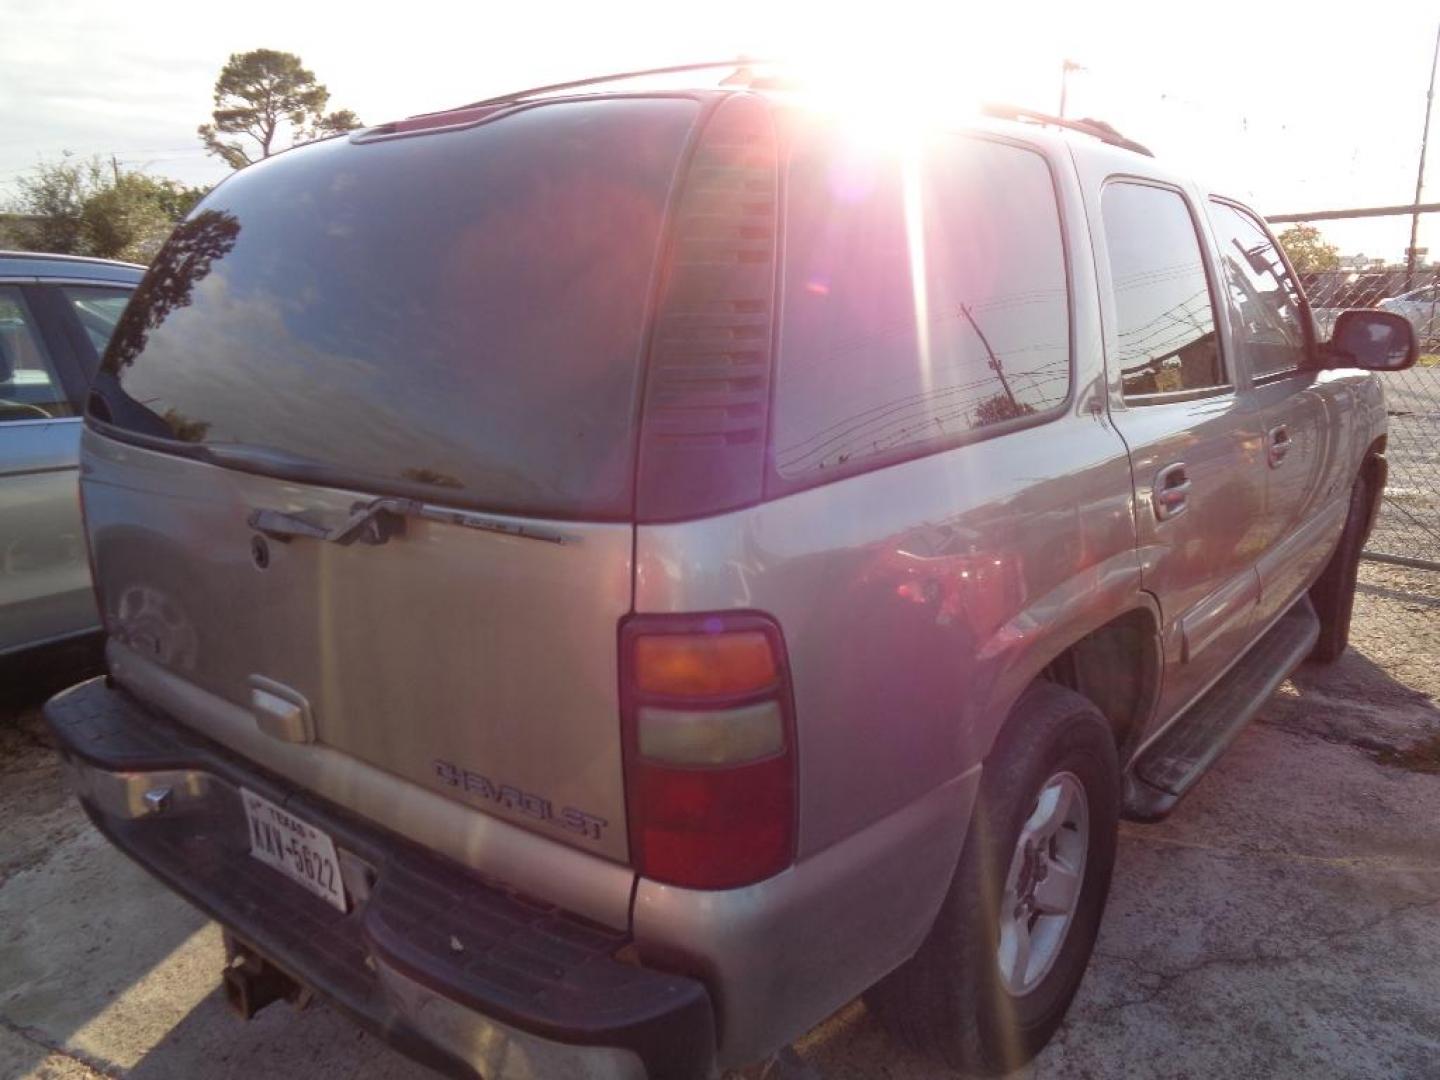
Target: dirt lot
x,y
1284,922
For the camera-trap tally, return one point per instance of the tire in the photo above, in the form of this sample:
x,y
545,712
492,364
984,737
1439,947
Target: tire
x,y
1333,593
950,1000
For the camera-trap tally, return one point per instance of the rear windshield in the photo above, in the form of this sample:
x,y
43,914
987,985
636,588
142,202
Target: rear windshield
x,y
456,316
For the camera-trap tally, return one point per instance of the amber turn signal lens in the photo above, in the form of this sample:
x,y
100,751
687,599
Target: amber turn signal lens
x,y
704,665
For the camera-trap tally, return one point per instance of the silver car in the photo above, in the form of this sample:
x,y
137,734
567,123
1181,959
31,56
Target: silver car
x,y
596,581
56,315
1422,308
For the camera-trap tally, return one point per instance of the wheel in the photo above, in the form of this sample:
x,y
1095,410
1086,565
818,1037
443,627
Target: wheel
x,y
1333,593
993,979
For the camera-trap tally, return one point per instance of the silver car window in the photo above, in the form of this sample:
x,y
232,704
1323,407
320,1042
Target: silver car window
x,y
29,387
98,310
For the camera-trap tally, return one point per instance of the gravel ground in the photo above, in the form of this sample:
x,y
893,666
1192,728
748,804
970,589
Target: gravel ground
x,y
1285,921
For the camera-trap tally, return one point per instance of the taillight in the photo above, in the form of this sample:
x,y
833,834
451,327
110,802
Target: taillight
x,y
709,749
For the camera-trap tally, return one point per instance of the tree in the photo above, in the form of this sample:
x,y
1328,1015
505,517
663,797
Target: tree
x,y
1307,251
89,207
53,195
259,95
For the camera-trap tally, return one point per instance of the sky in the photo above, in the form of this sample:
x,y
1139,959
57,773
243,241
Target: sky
x,y
1292,107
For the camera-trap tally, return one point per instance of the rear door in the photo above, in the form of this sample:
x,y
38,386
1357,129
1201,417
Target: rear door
x,y
451,317
1301,412
44,580
1194,441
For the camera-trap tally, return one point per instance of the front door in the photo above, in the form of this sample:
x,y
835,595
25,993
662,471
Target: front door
x,y
1305,500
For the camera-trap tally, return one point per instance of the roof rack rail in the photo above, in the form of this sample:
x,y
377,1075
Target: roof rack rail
x,y
596,80
1096,128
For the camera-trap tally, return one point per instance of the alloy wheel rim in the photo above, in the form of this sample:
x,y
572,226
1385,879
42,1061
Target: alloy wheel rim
x,y
1043,883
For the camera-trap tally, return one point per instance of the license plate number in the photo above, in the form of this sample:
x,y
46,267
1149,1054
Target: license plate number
x,y
296,848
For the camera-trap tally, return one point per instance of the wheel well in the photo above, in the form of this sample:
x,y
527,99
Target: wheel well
x,y
1374,470
1116,667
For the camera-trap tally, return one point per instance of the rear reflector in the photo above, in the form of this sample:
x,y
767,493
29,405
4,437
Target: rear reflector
x,y
709,749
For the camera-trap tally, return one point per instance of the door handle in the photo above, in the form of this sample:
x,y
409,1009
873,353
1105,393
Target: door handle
x,y
1277,444
1170,492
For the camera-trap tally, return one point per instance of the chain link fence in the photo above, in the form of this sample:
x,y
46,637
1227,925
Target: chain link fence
x,y
1408,529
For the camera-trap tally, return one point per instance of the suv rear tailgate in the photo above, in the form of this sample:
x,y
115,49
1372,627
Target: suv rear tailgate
x,y
452,317
479,666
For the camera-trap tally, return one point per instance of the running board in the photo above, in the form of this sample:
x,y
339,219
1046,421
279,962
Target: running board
x,y
1170,766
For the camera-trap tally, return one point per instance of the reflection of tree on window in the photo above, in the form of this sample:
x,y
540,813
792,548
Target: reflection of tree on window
x,y
183,263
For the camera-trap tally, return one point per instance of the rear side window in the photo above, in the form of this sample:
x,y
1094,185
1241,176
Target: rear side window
x,y
925,299
1265,301
1164,315
457,315
98,310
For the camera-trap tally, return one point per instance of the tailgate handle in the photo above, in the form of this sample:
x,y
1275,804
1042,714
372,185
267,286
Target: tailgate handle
x,y
370,523
378,520
280,712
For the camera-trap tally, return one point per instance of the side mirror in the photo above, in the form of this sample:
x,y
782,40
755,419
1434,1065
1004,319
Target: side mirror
x,y
1372,340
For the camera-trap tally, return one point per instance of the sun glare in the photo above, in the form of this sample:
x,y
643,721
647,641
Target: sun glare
x,y
912,170
892,101
890,104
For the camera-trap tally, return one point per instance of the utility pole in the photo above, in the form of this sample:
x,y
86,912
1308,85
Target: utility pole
x,y
995,364
1066,67
1420,175
115,168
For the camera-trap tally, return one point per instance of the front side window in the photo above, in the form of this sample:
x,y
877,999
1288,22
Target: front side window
x,y
925,298
1164,316
29,387
1265,301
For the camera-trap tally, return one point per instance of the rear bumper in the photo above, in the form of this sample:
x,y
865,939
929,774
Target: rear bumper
x,y
454,970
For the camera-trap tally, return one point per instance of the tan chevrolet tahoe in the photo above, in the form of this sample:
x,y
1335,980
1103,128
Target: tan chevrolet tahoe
x,y
597,579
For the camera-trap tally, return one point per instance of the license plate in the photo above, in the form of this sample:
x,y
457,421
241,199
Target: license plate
x,y
296,848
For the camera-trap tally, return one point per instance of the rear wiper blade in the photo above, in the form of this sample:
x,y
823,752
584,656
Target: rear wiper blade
x,y
377,521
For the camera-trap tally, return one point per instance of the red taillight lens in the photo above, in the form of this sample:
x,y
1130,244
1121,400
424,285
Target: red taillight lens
x,y
709,749
714,828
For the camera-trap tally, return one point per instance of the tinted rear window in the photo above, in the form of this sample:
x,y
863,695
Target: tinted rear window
x,y
457,315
